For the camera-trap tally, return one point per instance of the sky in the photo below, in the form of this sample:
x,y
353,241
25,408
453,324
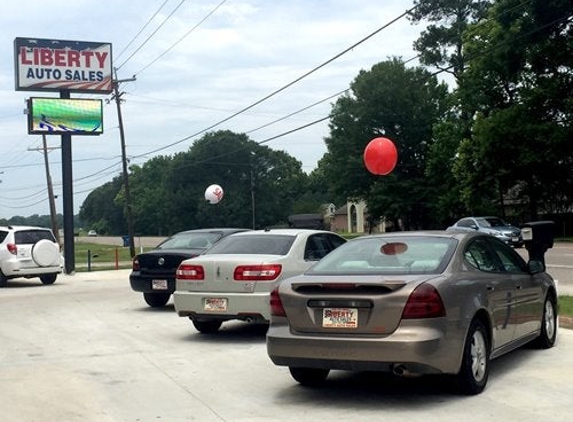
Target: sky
x,y
196,63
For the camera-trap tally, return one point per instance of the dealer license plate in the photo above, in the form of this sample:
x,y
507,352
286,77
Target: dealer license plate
x,y
159,284
340,318
215,304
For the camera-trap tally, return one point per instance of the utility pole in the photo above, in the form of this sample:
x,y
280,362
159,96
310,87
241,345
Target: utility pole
x,y
128,207
51,197
253,200
50,191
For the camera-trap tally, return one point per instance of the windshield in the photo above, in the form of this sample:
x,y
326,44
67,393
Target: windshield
x,y
195,240
388,255
266,244
492,222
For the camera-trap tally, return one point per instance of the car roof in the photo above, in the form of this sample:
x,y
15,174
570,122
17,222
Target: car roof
x,y
456,234
17,227
481,216
289,232
211,230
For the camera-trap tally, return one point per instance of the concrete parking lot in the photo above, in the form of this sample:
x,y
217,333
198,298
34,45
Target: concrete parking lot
x,y
88,349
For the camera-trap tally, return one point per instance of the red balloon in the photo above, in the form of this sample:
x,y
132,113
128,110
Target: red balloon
x,y
380,156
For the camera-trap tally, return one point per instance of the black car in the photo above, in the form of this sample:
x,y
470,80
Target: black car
x,y
153,272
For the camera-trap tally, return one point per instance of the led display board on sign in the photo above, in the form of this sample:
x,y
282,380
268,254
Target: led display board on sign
x,y
57,116
57,65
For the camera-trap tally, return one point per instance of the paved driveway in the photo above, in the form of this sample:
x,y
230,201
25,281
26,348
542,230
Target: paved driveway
x,y
88,349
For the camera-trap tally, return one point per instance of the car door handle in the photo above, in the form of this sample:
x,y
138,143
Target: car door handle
x,y
518,287
490,288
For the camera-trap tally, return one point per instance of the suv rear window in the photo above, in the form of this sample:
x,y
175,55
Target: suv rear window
x,y
3,235
29,237
253,244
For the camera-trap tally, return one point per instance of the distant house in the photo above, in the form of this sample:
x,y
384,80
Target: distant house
x,y
353,218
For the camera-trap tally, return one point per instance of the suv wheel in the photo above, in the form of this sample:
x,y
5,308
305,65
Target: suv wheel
x,y
3,280
48,278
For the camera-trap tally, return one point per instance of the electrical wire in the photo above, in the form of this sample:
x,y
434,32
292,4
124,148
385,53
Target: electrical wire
x,y
150,36
182,38
272,94
288,85
141,30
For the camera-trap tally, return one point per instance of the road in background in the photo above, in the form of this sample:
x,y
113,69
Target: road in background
x,y
88,349
558,259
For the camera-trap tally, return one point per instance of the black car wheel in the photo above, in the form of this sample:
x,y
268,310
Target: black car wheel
x,y
474,372
156,300
3,280
207,327
548,334
49,278
309,376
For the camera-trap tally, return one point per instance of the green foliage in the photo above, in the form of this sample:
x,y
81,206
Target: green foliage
x,y
100,209
168,192
441,43
402,104
566,306
499,142
100,254
519,83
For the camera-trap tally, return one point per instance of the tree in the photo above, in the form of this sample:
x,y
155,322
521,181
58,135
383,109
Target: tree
x,y
168,192
441,43
100,211
150,196
520,82
399,103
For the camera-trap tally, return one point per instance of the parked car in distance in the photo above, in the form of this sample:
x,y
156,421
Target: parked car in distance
x,y
233,280
412,303
28,252
92,233
495,226
153,272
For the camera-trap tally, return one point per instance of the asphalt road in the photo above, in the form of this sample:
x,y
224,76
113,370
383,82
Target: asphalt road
x,y
88,349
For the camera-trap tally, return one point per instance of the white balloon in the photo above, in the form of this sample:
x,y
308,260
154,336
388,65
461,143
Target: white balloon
x,y
214,194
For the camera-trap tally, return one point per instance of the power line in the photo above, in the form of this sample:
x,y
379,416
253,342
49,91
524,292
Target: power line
x,y
489,50
141,30
151,35
298,111
272,94
182,38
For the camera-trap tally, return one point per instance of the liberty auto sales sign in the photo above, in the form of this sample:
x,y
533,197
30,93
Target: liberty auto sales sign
x,y
57,65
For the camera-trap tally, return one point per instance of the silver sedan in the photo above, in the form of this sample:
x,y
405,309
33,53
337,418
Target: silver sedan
x,y
234,278
412,303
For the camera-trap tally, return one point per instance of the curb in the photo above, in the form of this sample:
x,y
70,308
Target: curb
x,y
566,322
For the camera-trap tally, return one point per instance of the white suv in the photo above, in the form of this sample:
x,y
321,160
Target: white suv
x,y
27,251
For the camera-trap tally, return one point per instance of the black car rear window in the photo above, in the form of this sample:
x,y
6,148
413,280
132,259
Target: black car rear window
x,y
29,237
253,244
190,240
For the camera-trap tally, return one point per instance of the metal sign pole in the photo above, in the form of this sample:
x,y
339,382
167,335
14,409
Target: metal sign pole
x,y
68,199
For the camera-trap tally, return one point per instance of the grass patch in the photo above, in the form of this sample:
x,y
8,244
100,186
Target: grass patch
x,y
566,306
103,257
100,253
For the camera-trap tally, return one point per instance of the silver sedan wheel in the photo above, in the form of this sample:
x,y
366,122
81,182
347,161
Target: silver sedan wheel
x,y
478,354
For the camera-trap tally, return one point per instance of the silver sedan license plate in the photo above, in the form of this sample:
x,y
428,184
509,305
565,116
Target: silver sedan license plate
x,y
340,318
215,304
159,284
